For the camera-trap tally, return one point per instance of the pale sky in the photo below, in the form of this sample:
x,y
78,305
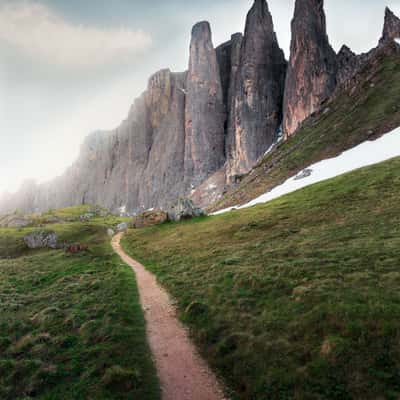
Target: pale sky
x,y
70,67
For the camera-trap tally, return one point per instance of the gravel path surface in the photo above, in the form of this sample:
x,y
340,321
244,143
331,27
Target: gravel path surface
x,y
183,374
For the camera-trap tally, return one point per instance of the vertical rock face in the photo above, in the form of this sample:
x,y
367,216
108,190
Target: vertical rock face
x,y
205,111
236,46
163,180
139,165
311,76
256,110
228,56
224,60
391,29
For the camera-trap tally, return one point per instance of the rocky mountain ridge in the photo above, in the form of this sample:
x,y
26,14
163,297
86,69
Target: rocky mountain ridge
x,y
192,134
364,108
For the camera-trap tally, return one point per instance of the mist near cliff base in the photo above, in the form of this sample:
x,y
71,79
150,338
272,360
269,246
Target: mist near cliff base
x,y
51,97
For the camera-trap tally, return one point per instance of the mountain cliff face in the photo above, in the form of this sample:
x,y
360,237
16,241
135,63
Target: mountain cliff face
x,y
233,60
196,133
311,76
205,111
131,168
256,106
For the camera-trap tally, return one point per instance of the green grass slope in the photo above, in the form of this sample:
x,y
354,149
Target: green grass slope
x,y
295,299
367,108
71,326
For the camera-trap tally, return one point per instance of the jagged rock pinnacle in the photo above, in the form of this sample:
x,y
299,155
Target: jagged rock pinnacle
x,y
348,63
391,29
312,68
201,28
258,98
205,112
260,5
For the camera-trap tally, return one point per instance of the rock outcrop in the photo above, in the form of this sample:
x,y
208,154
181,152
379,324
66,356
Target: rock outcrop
x,y
210,190
205,111
184,209
348,64
391,29
149,218
41,240
110,232
256,107
311,76
122,227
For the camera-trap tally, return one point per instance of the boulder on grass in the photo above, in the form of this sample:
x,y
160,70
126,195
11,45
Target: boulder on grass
x,y
110,232
41,240
184,209
149,218
122,227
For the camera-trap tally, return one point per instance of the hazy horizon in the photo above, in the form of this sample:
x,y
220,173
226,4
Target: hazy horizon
x,y
68,68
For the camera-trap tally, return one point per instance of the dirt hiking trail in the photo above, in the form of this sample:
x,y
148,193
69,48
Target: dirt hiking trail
x,y
183,374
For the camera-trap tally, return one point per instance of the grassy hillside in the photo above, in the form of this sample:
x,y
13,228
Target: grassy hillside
x,y
366,109
71,326
295,299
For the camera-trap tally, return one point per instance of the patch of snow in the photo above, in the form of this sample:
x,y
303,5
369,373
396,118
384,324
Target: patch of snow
x,y
270,148
365,154
211,186
280,133
278,140
397,40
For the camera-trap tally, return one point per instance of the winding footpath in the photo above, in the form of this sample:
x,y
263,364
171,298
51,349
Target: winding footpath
x,y
183,374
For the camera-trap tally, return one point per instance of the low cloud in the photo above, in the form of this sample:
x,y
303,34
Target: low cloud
x,y
39,32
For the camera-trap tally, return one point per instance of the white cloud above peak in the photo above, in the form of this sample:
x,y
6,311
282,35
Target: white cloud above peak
x,y
41,33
